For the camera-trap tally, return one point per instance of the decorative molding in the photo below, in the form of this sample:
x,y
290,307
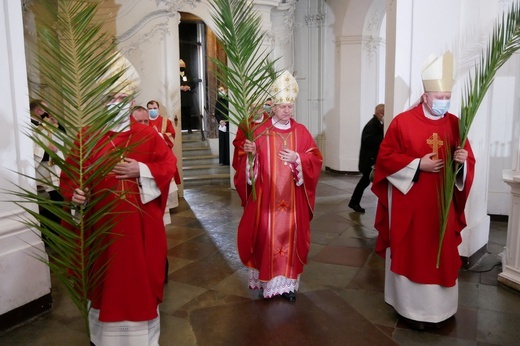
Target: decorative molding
x,y
348,40
176,5
370,43
372,25
371,46
315,19
143,21
288,17
270,38
316,13
161,29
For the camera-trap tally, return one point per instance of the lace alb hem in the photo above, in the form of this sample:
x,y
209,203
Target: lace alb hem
x,y
276,286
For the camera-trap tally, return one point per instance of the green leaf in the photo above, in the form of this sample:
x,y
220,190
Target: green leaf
x,y
73,54
504,42
249,72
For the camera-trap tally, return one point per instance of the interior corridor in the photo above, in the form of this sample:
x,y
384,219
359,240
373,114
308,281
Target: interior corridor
x,y
340,301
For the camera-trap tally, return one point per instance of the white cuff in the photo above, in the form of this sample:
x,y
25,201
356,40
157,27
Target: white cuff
x,y
403,179
147,186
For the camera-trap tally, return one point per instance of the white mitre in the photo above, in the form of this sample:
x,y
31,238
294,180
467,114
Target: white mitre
x,y
129,80
438,74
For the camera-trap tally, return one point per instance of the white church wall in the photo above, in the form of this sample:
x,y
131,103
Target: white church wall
x,y
503,122
310,65
355,77
23,279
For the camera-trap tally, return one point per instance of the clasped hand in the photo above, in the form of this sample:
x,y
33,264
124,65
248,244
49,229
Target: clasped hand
x,y
434,166
127,170
80,196
123,170
250,147
288,155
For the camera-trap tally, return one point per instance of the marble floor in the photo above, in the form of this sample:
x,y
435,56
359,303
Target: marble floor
x,y
340,301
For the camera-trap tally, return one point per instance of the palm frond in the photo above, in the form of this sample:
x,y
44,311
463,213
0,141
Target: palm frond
x,y
249,72
504,42
445,196
73,56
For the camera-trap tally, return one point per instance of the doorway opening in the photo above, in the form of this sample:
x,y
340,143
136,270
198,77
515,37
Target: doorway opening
x,y
198,45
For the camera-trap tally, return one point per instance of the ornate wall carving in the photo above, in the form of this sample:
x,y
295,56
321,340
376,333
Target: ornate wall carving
x,y
176,5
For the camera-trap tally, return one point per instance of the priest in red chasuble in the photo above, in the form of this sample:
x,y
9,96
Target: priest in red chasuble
x,y
409,170
274,232
125,303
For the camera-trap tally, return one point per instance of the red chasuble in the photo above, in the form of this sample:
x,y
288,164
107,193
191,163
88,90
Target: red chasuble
x,y
132,286
413,236
165,126
274,232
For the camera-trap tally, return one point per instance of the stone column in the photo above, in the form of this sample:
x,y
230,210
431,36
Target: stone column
x,y
510,275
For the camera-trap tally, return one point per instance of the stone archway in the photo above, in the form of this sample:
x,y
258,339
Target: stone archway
x,y
358,78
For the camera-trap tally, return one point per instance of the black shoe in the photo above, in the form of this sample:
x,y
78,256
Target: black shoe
x,y
356,207
416,325
291,296
443,324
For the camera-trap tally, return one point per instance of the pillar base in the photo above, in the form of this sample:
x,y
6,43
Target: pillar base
x,y
25,313
509,281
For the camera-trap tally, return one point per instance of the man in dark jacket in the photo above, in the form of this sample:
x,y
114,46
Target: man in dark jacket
x,y
371,138
187,87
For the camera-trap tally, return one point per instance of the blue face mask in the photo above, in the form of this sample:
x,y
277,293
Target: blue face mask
x,y
267,108
440,107
153,113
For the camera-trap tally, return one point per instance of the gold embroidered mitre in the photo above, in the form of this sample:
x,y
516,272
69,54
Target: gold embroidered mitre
x,y
284,89
438,75
129,79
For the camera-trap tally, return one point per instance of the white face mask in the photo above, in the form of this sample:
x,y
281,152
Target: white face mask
x,y
153,113
440,107
121,121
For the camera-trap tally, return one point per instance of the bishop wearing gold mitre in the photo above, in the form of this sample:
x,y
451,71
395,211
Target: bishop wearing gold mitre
x,y
274,232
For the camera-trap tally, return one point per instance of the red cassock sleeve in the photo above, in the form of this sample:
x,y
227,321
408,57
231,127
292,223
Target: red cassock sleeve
x,y
166,128
239,165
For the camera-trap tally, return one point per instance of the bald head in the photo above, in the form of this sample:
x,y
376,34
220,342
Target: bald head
x,y
140,114
379,112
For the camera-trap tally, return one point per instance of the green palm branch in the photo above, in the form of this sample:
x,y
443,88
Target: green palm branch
x,y
74,54
504,42
249,72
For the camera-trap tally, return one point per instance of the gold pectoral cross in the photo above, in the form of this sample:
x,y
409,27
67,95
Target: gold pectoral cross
x,y
435,143
284,139
122,193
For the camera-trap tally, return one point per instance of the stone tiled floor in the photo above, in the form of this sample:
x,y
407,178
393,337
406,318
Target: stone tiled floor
x,y
340,301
